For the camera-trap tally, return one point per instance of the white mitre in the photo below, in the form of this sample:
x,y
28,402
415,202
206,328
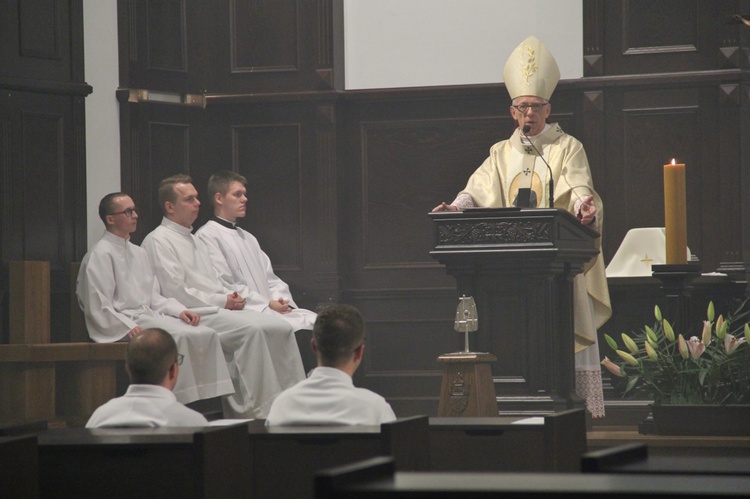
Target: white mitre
x,y
531,70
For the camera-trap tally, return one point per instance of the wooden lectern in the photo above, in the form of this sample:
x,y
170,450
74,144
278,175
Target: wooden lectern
x,y
518,264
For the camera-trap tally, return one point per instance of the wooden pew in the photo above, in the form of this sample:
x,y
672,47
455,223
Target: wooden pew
x,y
555,443
24,427
19,467
634,458
58,380
52,381
285,458
145,462
377,478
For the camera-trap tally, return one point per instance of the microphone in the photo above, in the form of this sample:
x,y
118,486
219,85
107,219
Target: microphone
x,y
526,129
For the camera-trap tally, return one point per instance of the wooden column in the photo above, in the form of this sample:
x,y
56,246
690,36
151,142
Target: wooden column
x,y
29,302
467,388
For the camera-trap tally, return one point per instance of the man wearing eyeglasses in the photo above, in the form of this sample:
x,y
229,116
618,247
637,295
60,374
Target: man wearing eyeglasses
x,y
515,165
153,365
120,297
261,350
328,396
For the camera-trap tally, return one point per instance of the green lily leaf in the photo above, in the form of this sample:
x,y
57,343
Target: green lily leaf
x,y
631,383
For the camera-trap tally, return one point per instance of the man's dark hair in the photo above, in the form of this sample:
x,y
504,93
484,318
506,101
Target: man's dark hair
x,y
106,205
150,355
338,331
166,189
219,182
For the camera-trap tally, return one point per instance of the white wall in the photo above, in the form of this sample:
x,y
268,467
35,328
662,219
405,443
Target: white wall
x,y
102,118
388,43
408,43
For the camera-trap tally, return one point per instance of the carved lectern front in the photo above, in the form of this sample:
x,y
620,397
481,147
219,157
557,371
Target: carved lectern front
x,y
518,264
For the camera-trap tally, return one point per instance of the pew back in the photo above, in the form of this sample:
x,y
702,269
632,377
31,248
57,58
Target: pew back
x,y
634,458
285,458
144,462
19,467
377,478
553,443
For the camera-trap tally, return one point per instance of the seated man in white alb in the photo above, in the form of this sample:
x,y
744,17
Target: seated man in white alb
x,y
237,257
328,396
119,297
153,365
261,350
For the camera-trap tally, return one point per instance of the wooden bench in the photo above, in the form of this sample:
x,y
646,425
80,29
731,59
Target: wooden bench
x,y
19,467
285,458
378,477
145,462
55,381
10,428
555,442
52,381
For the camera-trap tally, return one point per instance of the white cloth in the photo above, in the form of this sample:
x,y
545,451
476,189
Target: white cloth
x,y
329,397
117,291
239,261
261,350
640,249
588,366
145,406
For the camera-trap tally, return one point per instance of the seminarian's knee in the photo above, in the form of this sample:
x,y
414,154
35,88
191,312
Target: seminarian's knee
x,y
271,325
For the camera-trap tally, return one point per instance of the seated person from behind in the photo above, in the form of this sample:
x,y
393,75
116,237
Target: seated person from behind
x,y
328,396
153,366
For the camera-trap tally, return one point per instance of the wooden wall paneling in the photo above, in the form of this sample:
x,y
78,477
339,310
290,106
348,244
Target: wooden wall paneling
x,y
275,146
270,46
593,131
5,210
719,170
42,145
727,220
322,256
270,156
410,157
235,47
44,183
407,329
659,36
593,37
158,145
41,41
155,39
615,214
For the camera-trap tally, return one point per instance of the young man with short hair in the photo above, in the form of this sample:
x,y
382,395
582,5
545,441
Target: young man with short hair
x,y
328,396
153,365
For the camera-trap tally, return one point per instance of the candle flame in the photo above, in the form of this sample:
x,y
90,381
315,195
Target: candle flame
x,y
673,161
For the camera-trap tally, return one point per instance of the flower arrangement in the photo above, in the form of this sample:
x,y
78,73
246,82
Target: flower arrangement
x,y
712,369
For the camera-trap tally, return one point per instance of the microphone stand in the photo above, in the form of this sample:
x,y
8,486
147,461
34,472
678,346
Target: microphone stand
x,y
524,131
